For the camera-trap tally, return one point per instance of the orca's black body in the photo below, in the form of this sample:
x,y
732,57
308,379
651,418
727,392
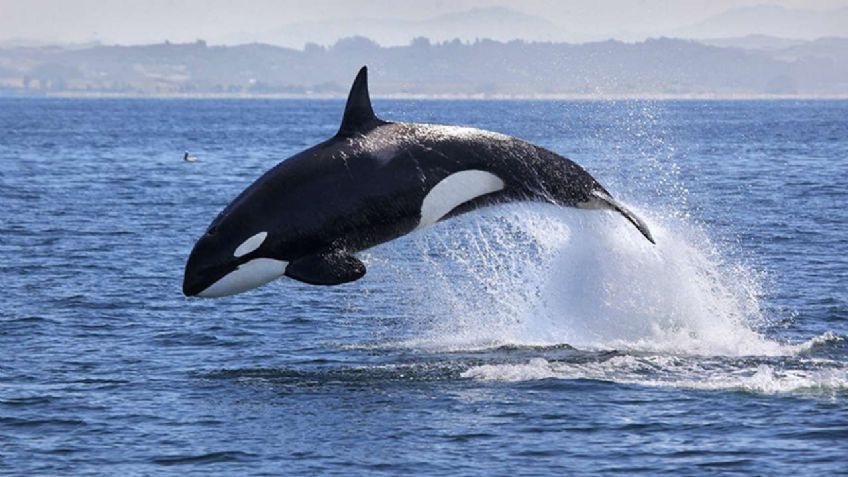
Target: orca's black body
x,y
373,182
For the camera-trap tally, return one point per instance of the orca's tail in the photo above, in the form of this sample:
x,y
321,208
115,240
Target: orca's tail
x,y
611,203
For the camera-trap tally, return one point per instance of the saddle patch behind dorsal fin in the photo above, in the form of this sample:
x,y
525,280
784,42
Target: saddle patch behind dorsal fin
x,y
358,115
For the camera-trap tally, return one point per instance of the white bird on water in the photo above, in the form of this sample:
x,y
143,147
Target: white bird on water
x,y
189,157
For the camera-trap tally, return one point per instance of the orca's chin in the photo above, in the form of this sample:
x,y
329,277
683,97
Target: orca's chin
x,y
195,284
246,276
190,289
199,278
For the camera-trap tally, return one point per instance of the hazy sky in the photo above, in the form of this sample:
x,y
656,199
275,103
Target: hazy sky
x,y
150,21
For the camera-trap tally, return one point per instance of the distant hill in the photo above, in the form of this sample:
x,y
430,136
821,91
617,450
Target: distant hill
x,y
752,27
769,20
496,23
660,67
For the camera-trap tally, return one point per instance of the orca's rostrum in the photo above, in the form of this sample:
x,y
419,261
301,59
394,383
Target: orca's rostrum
x,y
372,182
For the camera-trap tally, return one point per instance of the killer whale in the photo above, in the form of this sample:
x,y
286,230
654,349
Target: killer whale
x,y
372,182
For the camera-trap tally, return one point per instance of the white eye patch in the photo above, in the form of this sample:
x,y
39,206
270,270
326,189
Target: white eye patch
x,y
250,244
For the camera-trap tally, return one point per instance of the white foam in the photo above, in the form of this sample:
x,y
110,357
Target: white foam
x,y
537,368
823,339
670,371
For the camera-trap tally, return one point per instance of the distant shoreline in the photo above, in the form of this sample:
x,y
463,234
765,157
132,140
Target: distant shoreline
x,y
440,97
654,69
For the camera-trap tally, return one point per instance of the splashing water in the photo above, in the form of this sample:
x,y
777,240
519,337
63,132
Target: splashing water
x,y
535,275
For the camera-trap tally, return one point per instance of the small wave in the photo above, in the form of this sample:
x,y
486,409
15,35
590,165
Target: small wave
x,y
210,458
192,339
22,422
443,345
818,342
27,401
768,379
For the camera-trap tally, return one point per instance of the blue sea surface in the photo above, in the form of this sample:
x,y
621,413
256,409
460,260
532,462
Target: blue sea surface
x,y
522,339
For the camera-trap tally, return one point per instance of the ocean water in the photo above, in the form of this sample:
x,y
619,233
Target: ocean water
x,y
522,339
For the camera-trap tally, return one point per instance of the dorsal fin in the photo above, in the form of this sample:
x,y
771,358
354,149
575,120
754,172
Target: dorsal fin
x,y
358,115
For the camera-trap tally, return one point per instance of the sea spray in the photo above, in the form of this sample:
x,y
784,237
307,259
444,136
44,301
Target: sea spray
x,y
532,274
